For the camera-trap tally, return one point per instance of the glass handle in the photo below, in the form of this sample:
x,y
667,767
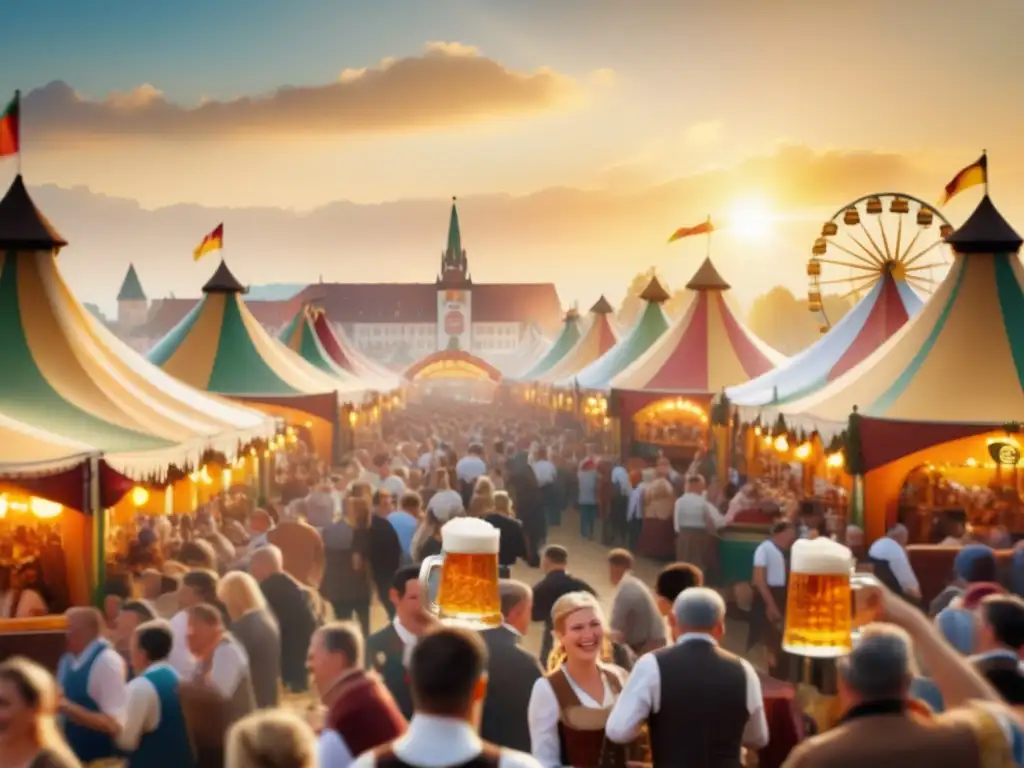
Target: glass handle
x,y
430,564
866,600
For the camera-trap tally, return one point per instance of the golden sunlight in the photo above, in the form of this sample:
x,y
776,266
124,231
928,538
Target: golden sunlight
x,y
750,219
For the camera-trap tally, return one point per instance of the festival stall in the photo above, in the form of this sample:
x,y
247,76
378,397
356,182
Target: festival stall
x,y
87,421
220,347
937,409
662,402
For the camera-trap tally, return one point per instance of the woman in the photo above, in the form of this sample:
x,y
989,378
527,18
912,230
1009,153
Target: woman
x,y
28,733
513,541
483,490
255,627
23,594
271,740
569,707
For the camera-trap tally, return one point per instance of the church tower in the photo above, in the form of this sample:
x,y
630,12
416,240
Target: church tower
x,y
454,291
132,305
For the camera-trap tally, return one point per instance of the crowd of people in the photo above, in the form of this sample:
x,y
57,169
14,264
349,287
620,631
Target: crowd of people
x,y
242,636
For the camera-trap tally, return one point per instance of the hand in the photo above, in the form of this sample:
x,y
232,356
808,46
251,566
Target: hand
x,y
883,604
773,614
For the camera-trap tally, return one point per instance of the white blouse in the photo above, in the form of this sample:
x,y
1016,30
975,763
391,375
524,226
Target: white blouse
x,y
543,714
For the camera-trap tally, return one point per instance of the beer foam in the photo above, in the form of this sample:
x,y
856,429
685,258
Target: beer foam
x,y
470,535
820,556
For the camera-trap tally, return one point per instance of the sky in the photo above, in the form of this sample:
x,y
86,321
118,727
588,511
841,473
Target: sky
x,y
258,103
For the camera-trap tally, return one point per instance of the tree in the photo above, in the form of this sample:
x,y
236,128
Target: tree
x,y
631,306
785,322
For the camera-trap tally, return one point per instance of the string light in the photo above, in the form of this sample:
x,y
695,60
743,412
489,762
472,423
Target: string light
x,y
803,451
835,461
139,496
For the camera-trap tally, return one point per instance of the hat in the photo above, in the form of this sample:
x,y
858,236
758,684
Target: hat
x,y
957,625
975,563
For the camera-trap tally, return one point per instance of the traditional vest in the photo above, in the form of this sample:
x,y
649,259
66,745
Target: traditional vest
x,y
364,713
489,757
87,744
581,728
703,707
168,746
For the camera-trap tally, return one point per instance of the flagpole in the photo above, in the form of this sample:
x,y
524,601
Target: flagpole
x,y
984,155
17,128
709,237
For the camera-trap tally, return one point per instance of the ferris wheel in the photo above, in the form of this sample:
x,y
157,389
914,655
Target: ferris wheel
x,y
875,235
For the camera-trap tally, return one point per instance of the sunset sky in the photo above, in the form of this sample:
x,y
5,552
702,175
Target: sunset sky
x,y
240,103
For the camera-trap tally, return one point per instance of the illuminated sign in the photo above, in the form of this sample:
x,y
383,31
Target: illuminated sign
x,y
1004,452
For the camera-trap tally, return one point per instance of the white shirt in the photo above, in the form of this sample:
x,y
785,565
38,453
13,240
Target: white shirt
x,y
408,639
229,665
444,505
635,507
143,711
394,485
30,603
642,697
691,513
426,461
469,468
181,657
436,742
543,715
896,556
769,557
106,684
332,750
545,472
620,478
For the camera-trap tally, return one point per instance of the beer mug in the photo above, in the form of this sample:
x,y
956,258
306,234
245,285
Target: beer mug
x,y
821,613
467,592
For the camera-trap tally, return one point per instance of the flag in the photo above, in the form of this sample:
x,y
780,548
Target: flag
x,y
9,125
704,228
974,174
212,242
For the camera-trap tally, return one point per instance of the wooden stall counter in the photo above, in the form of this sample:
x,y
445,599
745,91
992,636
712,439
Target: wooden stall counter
x,y
41,639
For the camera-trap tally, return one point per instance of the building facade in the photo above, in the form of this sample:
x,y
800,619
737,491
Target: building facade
x,y
394,323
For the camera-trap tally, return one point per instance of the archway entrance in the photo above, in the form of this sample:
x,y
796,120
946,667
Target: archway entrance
x,y
455,375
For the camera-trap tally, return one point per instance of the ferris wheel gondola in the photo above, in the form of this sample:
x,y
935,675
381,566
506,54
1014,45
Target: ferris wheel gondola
x,y
873,236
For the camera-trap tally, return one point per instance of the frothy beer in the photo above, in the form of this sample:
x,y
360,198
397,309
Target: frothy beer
x,y
819,603
468,590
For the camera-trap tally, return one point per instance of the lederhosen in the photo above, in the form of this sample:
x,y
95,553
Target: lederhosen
x,y
581,729
761,629
489,757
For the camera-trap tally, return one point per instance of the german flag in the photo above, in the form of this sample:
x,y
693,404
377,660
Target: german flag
x,y
704,228
212,242
974,174
9,126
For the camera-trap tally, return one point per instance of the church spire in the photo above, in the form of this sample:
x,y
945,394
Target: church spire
x,y
454,235
454,264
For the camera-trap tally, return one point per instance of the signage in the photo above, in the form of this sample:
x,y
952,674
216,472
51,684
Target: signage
x,y
1004,452
454,319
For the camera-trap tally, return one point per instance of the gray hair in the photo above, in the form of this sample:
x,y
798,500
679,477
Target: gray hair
x,y
513,593
897,530
270,556
881,665
699,608
346,638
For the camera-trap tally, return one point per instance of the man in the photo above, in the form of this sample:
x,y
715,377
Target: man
x,y
361,713
405,520
388,651
635,510
511,671
890,552
292,606
770,579
621,489
392,483
702,704
154,734
999,642
974,564
221,661
198,586
468,469
672,581
302,550
696,522
155,591
449,682
91,676
556,582
132,614
385,549
880,730
344,585
635,619
320,506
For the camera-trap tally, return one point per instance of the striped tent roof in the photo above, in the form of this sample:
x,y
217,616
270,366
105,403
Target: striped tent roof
x,y
595,340
300,336
648,328
876,317
532,347
704,351
70,380
959,361
220,347
344,352
25,449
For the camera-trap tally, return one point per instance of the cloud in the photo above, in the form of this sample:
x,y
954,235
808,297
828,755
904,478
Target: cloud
x,y
449,84
705,133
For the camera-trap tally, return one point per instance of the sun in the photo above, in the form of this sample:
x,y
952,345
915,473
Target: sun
x,y
750,219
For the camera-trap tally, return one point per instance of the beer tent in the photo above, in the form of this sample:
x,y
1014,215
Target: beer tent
x,y
563,344
596,338
220,347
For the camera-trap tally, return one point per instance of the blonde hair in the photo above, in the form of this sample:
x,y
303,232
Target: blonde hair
x,y
271,739
357,511
441,481
480,506
564,607
37,688
241,594
503,504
